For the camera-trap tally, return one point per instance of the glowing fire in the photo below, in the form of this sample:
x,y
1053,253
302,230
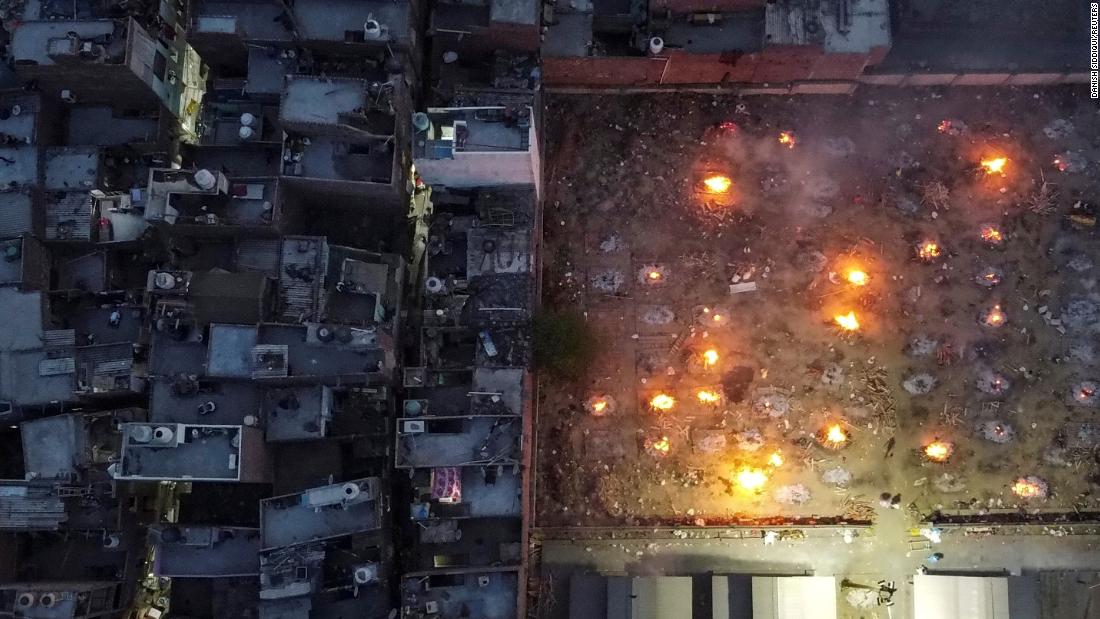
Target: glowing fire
x,y
995,317
599,406
1085,393
944,126
1026,488
835,436
710,357
848,321
662,402
661,445
776,459
938,450
995,165
708,397
654,275
751,479
1061,165
992,235
786,138
717,183
858,278
929,250
991,276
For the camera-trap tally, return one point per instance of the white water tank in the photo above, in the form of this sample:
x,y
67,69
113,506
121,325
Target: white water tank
x,y
245,133
47,600
25,600
350,491
366,574
205,179
251,421
372,30
111,540
163,435
247,119
435,285
164,280
656,45
141,434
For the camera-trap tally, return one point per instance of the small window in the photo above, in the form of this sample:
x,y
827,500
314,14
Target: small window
x,y
160,66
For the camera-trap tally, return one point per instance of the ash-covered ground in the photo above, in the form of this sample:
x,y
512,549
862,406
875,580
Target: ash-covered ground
x,y
978,319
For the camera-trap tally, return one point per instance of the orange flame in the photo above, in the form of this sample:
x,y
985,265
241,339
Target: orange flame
x,y
928,250
717,183
661,445
710,357
599,406
787,139
848,321
775,459
938,450
1026,489
751,479
858,278
995,165
835,435
995,317
991,235
662,402
708,397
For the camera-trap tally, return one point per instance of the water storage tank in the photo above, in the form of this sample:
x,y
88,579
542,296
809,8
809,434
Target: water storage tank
x,y
251,421
47,600
350,491
111,540
141,434
421,122
366,574
25,600
435,285
164,280
245,133
205,179
247,119
372,30
163,435
656,45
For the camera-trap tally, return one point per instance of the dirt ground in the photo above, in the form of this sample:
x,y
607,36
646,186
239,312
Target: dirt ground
x,y
988,347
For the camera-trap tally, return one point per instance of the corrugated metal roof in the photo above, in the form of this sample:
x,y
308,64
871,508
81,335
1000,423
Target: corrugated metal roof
x,y
16,214
260,255
56,367
270,360
31,507
302,270
59,338
69,216
784,24
106,359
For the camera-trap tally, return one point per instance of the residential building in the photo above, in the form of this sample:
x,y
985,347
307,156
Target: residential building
x,y
192,452
344,140
98,60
